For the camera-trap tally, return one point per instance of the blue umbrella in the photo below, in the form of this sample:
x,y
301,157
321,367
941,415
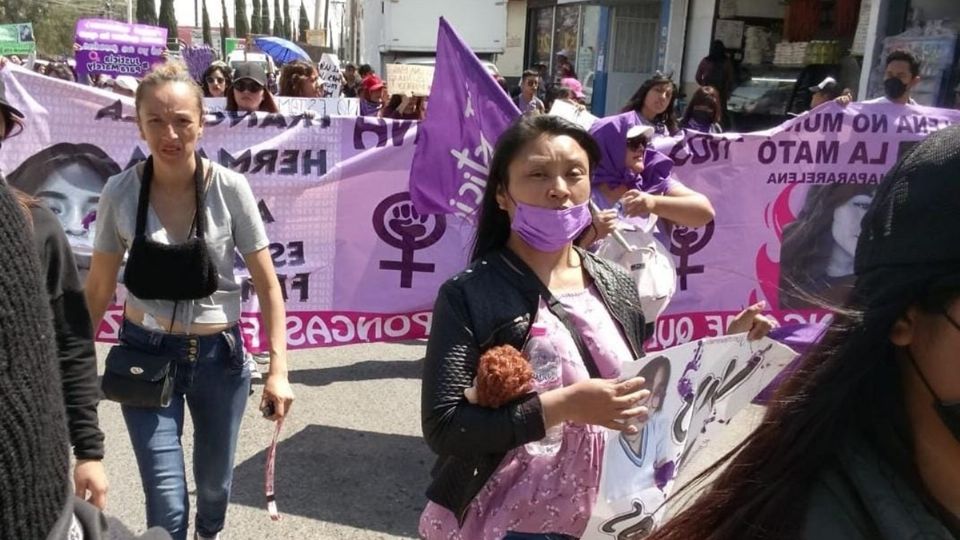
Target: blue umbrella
x,y
281,50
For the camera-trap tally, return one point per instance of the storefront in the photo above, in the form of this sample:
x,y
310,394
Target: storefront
x,y
779,49
613,45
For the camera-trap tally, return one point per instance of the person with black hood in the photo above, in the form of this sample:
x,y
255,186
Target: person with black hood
x,y
35,495
73,331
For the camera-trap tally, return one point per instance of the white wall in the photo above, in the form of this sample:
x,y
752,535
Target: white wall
x,y
676,35
699,30
511,63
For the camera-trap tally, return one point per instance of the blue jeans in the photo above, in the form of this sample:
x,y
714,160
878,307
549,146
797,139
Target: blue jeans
x,y
213,382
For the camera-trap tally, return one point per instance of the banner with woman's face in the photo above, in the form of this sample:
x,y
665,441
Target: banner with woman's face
x,y
789,202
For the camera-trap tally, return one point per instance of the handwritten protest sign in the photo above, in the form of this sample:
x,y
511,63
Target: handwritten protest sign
x,y
116,48
576,114
409,80
330,77
17,39
295,105
696,389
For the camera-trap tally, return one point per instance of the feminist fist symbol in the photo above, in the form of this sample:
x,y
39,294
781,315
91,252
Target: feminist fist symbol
x,y
399,225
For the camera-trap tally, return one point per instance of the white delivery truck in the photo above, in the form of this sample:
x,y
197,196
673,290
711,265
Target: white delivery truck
x,y
405,31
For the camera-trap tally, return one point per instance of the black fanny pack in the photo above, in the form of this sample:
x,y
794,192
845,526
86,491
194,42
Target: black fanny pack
x,y
156,271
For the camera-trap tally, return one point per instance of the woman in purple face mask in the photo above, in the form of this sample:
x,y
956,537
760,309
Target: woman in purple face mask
x,y
576,317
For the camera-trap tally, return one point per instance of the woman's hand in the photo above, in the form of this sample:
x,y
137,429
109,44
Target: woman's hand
x,y
604,222
90,482
277,392
600,402
753,322
638,204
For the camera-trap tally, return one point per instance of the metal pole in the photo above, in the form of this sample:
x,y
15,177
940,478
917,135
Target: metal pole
x,y
196,14
316,14
129,11
326,23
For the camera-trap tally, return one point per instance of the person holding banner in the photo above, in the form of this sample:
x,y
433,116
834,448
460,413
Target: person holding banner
x,y
372,90
863,440
404,108
526,272
216,80
181,219
654,104
704,113
299,79
635,181
248,92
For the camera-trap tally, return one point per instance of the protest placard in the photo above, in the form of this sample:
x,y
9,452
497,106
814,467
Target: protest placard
x,y
409,80
295,105
696,389
17,39
330,77
569,111
115,48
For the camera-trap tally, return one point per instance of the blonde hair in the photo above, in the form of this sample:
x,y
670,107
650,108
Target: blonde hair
x,y
172,71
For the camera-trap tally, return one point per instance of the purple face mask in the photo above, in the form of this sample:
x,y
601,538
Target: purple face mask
x,y
547,229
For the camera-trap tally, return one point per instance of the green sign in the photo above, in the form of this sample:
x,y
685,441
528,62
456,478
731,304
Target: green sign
x,y
17,39
234,44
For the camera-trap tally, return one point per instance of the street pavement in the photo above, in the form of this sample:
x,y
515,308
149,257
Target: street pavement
x,y
351,463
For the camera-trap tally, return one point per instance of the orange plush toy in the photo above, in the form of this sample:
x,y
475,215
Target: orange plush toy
x,y
503,375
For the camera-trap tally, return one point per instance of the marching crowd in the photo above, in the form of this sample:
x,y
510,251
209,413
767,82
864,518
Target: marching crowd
x,y
861,441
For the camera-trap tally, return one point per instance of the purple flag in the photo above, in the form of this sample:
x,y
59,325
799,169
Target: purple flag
x,y
468,111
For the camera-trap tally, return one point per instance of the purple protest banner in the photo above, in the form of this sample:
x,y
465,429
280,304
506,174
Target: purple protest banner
x,y
115,48
468,112
788,202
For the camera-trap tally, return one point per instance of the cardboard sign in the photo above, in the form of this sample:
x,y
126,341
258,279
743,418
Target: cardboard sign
x,y
409,80
316,37
330,77
17,39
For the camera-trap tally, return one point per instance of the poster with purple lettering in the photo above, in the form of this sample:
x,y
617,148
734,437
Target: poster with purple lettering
x,y
115,48
788,203
695,389
356,262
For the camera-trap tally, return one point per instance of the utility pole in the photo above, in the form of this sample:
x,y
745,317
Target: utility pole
x,y
129,11
326,23
196,14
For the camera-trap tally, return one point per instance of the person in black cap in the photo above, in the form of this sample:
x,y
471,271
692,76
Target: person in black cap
x,y
35,499
863,440
248,90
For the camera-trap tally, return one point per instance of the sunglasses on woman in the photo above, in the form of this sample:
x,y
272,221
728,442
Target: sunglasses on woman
x,y
637,143
247,86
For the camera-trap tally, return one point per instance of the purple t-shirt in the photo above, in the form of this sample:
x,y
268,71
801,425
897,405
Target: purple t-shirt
x,y
547,494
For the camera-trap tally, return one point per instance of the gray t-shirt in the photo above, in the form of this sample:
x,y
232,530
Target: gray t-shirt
x,y
232,223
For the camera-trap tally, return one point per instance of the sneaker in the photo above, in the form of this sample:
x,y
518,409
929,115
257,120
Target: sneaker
x,y
198,536
251,366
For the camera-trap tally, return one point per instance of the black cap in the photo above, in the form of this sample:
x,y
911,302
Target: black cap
x,y
250,70
912,229
4,104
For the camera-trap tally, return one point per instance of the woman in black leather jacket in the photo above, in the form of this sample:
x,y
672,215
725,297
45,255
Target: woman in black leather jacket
x,y
526,272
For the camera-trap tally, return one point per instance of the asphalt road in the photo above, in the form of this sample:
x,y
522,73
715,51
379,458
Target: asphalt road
x,y
351,463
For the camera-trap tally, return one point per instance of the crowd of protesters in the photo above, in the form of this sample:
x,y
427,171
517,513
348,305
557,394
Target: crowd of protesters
x,y
862,441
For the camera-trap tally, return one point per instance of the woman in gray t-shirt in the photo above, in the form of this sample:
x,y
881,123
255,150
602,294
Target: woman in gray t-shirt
x,y
186,197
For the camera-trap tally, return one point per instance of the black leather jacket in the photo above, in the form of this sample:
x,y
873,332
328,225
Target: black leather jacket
x,y
493,303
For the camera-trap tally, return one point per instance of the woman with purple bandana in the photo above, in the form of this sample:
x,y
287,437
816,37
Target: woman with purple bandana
x,y
633,180
529,287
